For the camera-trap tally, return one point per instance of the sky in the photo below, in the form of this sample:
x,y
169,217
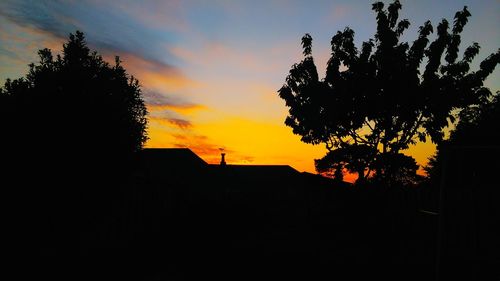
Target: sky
x,y
210,70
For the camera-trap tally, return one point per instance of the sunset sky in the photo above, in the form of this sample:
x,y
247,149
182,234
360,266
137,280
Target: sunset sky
x,y
210,69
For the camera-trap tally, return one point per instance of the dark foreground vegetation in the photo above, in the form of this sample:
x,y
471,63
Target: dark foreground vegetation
x,y
176,218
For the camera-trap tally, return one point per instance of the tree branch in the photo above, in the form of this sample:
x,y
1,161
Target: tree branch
x,y
368,124
329,143
414,129
357,138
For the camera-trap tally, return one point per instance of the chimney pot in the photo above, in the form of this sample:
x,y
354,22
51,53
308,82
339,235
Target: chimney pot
x,y
222,160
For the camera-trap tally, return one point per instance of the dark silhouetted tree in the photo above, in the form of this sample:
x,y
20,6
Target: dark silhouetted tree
x,y
75,105
478,127
375,102
354,159
70,131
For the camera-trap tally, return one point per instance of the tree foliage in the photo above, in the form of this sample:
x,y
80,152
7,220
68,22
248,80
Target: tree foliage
x,y
74,105
70,132
478,127
375,102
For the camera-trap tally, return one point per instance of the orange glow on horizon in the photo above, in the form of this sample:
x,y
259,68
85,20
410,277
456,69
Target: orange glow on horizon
x,y
251,142
245,142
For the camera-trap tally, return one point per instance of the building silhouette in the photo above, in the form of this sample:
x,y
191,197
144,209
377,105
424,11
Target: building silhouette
x,y
176,217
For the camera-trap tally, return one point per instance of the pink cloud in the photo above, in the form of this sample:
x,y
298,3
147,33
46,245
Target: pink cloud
x,y
216,54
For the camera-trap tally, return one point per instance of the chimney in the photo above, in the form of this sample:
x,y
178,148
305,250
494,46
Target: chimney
x,y
222,160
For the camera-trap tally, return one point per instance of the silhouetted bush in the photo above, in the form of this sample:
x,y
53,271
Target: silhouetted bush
x,y
70,131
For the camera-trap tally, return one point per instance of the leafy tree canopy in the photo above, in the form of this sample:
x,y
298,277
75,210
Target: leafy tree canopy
x,y
69,132
378,100
478,127
73,107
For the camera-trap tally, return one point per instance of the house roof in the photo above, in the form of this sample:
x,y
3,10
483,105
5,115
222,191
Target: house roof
x,y
179,156
182,163
171,161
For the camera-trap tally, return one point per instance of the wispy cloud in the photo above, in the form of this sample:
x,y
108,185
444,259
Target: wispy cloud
x,y
106,29
198,143
158,101
202,145
220,56
155,76
171,121
158,14
19,46
209,151
181,123
42,15
170,118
